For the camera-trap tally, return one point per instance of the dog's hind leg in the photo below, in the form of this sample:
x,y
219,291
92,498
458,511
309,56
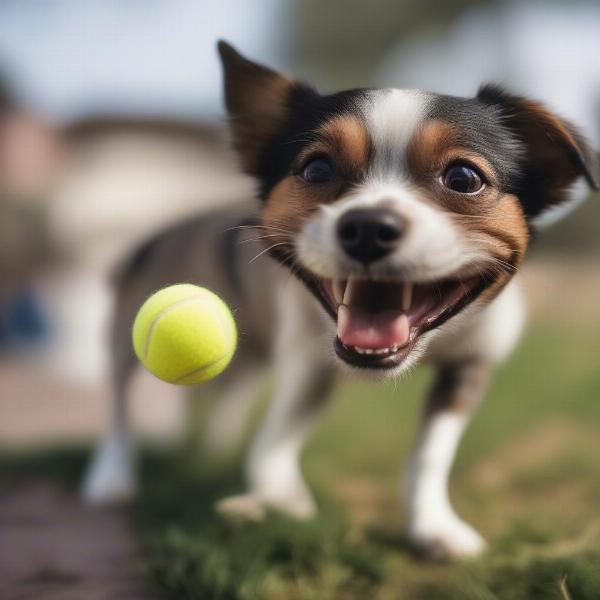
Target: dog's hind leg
x,y
110,477
433,526
304,378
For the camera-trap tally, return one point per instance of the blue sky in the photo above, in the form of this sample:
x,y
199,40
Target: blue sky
x,y
69,58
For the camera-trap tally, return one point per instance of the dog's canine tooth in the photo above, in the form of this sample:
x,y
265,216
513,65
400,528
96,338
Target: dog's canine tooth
x,y
338,287
407,292
348,292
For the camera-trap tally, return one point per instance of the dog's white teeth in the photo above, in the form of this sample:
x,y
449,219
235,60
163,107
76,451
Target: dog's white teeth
x,y
407,293
338,287
362,350
376,351
348,292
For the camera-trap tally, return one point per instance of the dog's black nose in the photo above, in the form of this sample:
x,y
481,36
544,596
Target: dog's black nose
x,y
367,234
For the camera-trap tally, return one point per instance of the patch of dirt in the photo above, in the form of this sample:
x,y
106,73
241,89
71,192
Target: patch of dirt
x,y
538,446
565,503
364,499
53,547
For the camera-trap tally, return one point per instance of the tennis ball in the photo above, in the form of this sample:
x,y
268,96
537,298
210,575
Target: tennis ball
x,y
184,334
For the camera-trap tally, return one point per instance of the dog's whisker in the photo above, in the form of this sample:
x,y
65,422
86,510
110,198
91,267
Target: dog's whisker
x,y
266,250
494,261
242,227
264,237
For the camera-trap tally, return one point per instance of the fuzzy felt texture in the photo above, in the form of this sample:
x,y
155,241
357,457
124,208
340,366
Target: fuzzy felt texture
x,y
184,334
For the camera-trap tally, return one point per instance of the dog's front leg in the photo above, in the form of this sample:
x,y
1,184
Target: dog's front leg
x,y
304,375
433,526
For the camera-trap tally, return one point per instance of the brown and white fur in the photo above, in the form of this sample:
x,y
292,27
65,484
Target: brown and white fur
x,y
397,220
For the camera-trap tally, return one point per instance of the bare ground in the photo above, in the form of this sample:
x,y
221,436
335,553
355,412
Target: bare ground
x,y
56,548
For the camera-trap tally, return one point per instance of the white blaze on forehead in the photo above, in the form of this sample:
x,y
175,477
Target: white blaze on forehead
x,y
433,246
392,118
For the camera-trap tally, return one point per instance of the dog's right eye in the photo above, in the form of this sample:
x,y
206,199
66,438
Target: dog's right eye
x,y
463,178
318,170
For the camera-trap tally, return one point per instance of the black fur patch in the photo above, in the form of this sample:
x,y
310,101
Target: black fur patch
x,y
554,154
483,131
307,111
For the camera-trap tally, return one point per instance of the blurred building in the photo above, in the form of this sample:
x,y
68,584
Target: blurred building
x,y
113,130
546,50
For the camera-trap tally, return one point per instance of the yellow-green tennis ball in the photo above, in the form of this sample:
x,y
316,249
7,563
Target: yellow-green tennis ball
x,y
184,334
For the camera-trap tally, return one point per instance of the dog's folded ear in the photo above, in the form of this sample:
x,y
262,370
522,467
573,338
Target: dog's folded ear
x,y
256,99
556,154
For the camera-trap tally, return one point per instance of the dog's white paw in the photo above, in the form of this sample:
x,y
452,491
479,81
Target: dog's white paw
x,y
244,507
253,507
299,506
110,478
451,538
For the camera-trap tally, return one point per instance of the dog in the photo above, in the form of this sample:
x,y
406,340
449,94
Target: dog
x,y
397,221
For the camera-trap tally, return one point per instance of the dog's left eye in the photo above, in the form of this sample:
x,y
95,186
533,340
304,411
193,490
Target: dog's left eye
x,y
318,170
463,179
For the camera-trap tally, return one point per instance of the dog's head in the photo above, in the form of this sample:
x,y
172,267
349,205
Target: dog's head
x,y
398,208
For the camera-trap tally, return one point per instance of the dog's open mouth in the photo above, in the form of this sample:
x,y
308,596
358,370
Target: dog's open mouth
x,y
379,322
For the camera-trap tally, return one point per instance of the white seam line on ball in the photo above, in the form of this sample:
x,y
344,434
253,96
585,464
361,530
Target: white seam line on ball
x,y
201,369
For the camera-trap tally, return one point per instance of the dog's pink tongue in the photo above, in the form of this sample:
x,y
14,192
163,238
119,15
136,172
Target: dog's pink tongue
x,y
356,327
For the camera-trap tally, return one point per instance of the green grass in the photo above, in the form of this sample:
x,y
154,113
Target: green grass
x,y
527,476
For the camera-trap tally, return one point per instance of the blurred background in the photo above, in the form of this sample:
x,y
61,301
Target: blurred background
x,y
112,127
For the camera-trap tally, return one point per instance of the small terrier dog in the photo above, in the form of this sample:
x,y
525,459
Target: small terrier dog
x,y
400,218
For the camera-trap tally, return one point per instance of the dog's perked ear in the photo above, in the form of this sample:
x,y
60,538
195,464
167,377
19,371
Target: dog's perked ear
x,y
256,99
556,154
